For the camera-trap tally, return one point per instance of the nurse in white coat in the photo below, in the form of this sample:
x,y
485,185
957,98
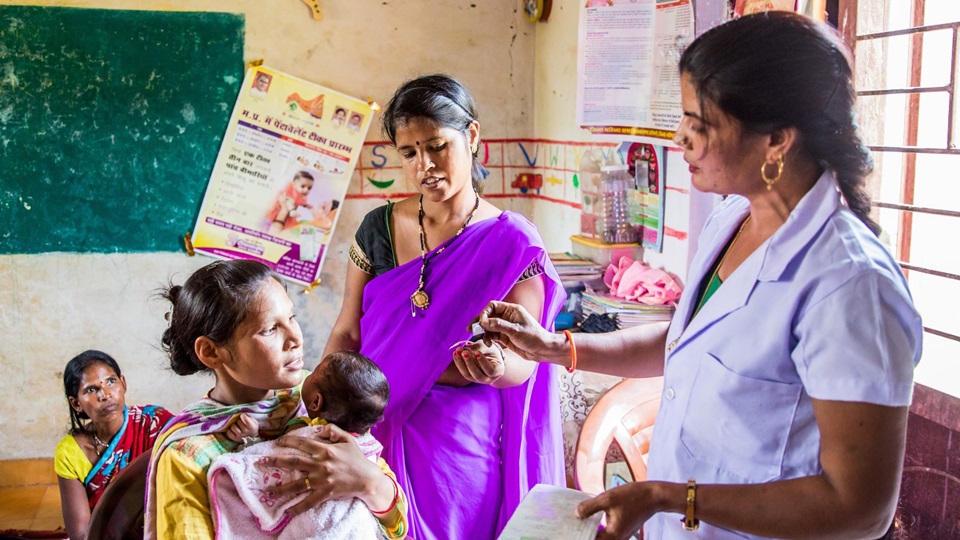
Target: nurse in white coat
x,y
788,368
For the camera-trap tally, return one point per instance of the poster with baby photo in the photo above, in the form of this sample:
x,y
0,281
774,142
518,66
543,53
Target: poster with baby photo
x,y
282,171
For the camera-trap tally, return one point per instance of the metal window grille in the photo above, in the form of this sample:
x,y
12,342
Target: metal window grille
x,y
911,148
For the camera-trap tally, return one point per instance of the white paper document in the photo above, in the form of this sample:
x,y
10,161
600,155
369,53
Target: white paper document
x,y
548,513
628,82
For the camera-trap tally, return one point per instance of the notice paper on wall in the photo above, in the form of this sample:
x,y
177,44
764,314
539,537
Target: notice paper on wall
x,y
548,512
628,84
282,171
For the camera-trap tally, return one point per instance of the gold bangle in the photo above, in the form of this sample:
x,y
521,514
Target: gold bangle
x,y
690,522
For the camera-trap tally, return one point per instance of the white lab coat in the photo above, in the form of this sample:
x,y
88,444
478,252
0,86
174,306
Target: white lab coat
x,y
820,310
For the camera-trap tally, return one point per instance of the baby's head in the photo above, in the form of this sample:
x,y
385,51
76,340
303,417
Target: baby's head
x,y
347,389
327,206
303,182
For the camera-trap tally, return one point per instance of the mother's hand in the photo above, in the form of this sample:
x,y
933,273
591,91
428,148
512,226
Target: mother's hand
x,y
627,508
479,362
335,469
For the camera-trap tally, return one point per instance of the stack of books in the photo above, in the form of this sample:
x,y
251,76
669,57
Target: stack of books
x,y
574,270
629,313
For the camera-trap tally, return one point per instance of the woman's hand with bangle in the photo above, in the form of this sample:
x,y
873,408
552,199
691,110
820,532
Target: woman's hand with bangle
x,y
334,468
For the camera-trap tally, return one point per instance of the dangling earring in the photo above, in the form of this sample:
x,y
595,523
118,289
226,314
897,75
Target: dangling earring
x,y
474,148
771,181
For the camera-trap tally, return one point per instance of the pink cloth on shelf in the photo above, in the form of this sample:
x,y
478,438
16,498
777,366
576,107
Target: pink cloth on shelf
x,y
244,507
636,281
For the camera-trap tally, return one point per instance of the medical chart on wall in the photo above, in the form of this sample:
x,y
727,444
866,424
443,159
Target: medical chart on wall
x,y
628,85
646,165
281,174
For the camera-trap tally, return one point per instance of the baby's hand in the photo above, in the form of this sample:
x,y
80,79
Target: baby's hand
x,y
244,427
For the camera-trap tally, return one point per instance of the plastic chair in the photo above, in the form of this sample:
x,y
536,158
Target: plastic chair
x,y
625,414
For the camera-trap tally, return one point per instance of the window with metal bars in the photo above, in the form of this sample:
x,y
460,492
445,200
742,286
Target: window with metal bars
x,y
906,54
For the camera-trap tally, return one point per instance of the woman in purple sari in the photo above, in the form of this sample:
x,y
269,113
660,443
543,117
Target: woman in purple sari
x,y
470,430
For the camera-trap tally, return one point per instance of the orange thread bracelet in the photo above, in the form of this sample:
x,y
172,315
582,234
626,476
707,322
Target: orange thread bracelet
x,y
573,352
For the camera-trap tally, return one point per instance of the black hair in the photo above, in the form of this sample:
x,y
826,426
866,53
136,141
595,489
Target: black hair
x,y
355,391
442,100
303,174
776,70
212,303
71,381
334,204
340,109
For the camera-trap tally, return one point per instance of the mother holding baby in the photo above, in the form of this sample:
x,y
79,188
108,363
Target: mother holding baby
x,y
468,430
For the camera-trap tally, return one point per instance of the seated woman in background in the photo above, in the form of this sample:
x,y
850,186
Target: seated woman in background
x,y
113,435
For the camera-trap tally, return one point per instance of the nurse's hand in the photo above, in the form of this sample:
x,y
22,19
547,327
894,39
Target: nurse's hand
x,y
627,508
479,362
514,327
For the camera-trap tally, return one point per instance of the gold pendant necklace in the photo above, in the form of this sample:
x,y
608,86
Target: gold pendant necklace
x,y
420,298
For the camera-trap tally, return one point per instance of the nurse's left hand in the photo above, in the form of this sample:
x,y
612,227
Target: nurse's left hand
x,y
480,363
627,508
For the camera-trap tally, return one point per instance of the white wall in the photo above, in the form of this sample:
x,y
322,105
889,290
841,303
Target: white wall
x,y
522,75
57,305
555,107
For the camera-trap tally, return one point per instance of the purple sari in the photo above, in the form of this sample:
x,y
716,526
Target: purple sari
x,y
465,457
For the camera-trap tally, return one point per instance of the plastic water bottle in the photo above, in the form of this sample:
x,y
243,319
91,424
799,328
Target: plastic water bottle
x,y
613,219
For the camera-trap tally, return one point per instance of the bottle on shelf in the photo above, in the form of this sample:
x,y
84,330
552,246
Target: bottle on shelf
x,y
613,223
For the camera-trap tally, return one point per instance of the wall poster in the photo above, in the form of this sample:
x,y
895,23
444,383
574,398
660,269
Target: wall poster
x,y
628,84
281,173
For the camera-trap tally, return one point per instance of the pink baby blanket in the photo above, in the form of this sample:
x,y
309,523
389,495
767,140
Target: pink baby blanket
x,y
636,281
243,506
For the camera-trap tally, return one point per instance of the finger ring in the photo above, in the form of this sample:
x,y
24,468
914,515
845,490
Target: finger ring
x,y
306,482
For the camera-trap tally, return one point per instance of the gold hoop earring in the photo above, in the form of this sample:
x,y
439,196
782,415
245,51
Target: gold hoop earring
x,y
771,181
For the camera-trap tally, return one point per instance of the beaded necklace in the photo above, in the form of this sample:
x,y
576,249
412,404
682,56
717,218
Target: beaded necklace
x,y
420,298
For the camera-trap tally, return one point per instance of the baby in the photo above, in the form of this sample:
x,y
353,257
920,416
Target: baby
x,y
282,214
346,389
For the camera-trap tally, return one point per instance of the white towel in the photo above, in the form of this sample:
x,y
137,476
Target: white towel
x,y
242,508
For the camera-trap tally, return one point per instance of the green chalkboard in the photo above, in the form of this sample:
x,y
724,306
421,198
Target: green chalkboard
x,y
110,123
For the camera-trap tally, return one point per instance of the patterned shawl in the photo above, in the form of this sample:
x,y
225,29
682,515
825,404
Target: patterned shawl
x,y
207,416
139,431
